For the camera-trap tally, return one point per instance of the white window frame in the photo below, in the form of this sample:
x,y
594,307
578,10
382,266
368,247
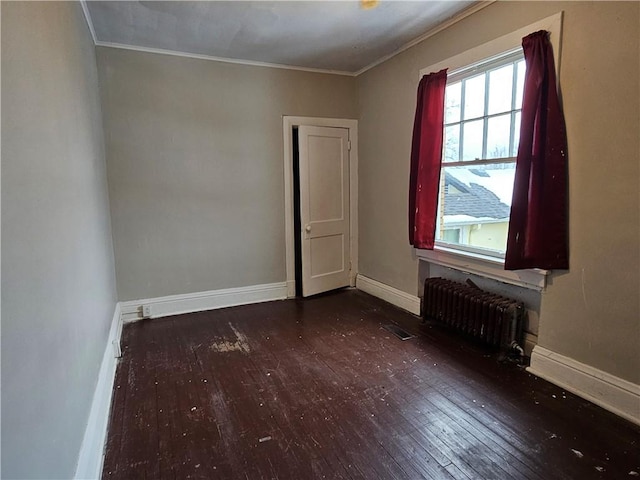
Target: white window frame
x,y
468,71
470,261
454,76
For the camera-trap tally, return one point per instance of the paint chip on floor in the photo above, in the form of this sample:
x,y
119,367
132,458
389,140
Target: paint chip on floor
x,y
577,453
241,343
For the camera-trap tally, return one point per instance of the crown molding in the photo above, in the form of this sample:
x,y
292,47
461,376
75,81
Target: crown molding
x,y
87,17
197,56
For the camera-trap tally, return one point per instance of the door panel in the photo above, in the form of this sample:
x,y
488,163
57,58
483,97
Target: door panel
x,y
324,208
327,254
325,175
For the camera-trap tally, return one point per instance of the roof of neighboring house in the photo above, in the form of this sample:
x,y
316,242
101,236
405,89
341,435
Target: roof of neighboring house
x,y
470,199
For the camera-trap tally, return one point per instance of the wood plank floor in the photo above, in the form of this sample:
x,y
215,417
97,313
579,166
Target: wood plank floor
x,y
316,388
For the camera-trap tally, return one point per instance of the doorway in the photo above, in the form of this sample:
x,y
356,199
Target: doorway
x,y
320,223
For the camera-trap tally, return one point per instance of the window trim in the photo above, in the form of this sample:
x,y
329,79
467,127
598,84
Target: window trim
x,y
480,264
485,266
485,64
506,43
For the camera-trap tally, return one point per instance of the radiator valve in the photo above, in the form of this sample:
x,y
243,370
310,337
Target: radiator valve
x,y
514,353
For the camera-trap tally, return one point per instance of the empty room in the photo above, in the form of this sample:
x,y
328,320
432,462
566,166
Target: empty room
x,y
185,296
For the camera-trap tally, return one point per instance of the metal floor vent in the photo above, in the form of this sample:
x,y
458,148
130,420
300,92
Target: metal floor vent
x,y
398,332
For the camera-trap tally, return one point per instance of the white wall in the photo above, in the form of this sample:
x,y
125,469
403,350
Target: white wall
x,y
195,162
58,282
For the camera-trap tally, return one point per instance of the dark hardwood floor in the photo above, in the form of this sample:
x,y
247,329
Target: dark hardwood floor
x,y
316,388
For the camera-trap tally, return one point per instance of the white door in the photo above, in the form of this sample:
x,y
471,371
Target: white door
x,y
324,208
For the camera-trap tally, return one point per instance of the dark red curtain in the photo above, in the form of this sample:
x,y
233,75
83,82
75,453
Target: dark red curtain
x,y
538,226
426,159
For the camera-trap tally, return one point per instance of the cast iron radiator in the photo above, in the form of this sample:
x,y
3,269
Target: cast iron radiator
x,y
490,318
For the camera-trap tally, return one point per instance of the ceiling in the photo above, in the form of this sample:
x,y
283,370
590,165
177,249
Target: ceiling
x,y
337,36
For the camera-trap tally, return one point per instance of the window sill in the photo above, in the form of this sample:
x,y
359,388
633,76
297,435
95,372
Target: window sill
x,y
484,266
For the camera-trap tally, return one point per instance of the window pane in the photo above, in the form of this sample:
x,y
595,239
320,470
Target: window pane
x,y
452,143
472,144
500,89
476,206
516,134
452,101
498,133
451,235
520,83
474,97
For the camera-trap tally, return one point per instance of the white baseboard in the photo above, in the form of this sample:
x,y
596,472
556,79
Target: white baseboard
x,y
530,342
407,302
608,391
92,449
291,289
203,301
95,436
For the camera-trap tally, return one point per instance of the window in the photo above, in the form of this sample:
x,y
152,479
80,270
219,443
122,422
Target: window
x,y
455,256
451,235
482,124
